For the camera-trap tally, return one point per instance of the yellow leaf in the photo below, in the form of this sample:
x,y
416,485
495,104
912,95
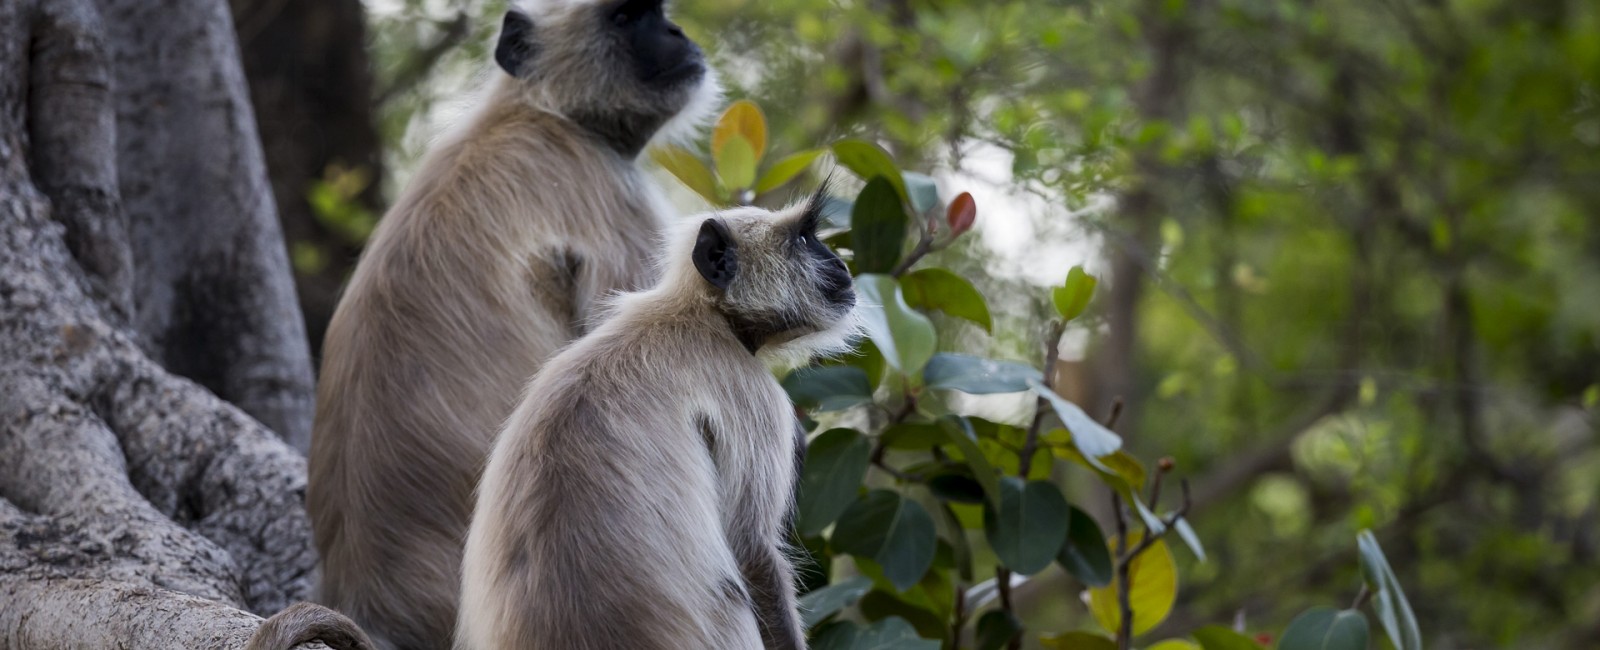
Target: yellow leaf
x,y
1174,644
743,119
1153,587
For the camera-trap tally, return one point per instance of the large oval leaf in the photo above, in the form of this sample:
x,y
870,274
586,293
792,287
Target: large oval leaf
x,y
869,161
1085,555
828,600
688,169
1325,628
904,337
1389,600
736,163
1028,527
1089,436
743,119
828,388
877,228
940,289
785,170
836,461
891,530
976,375
1153,588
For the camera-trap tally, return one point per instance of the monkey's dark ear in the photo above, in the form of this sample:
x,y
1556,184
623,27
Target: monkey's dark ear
x,y
516,49
715,256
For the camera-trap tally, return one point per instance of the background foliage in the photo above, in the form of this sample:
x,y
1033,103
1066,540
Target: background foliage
x,y
1348,256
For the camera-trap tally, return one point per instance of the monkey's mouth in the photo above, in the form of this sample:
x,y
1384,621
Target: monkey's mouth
x,y
689,71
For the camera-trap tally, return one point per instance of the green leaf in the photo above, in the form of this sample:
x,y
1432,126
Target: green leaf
x,y
922,191
904,337
888,634
828,388
1120,471
1190,538
1072,298
1174,644
786,169
912,436
913,605
958,431
828,600
1388,600
891,530
976,375
1217,637
869,161
877,228
1078,641
1325,628
1090,437
684,166
736,163
1153,588
935,288
836,461
1027,529
996,628
1085,554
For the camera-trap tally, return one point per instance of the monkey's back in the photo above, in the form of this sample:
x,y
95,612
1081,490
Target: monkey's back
x,y
602,520
484,268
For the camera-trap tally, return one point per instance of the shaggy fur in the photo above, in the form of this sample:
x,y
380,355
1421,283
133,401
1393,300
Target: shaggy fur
x,y
491,260
303,623
639,496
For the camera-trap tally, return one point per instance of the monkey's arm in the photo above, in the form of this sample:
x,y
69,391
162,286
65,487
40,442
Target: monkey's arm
x,y
770,576
770,579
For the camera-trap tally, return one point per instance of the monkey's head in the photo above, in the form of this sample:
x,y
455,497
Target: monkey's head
x,y
782,291
618,68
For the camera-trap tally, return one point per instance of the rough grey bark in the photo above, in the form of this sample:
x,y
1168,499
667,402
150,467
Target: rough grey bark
x,y
137,509
215,297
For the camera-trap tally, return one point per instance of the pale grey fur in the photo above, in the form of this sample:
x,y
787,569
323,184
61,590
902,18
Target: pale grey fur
x,y
639,495
491,259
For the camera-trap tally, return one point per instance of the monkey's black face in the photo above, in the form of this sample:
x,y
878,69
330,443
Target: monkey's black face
x,y
662,56
832,277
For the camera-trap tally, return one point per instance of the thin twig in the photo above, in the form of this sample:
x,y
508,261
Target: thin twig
x,y
923,247
1042,406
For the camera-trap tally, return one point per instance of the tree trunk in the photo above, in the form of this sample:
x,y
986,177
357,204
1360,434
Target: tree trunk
x,y
137,509
312,88
215,300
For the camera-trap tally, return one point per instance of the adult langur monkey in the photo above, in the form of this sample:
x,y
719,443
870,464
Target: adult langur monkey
x,y
638,497
489,261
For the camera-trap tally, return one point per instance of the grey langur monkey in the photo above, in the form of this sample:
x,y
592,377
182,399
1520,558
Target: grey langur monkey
x,y
490,260
639,496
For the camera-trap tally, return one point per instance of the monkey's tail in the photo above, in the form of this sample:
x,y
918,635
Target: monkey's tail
x,y
306,622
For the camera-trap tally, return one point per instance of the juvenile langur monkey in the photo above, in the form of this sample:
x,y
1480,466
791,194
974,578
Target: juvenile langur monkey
x,y
303,623
489,261
639,495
